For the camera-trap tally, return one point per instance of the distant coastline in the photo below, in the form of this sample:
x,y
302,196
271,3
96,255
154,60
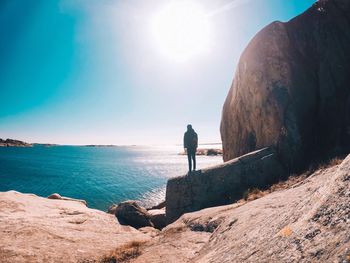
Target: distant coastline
x,y
100,145
14,143
206,152
18,143
208,149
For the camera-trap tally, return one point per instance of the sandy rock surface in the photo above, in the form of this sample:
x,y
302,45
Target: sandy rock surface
x,y
36,229
310,222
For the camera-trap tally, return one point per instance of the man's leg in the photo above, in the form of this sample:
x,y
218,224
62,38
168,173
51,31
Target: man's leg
x,y
189,161
194,161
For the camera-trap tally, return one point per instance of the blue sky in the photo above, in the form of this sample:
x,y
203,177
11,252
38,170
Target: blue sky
x,y
91,72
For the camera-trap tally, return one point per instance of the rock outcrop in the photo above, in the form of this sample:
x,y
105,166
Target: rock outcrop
x,y
36,229
132,214
309,222
158,218
222,184
291,89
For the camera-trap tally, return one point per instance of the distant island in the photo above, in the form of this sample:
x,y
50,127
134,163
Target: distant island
x,y
102,145
207,152
14,143
18,143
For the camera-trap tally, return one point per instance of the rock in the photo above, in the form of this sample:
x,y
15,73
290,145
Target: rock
x,y
148,230
54,196
158,218
112,209
130,213
291,89
213,152
222,184
308,222
159,206
58,196
37,229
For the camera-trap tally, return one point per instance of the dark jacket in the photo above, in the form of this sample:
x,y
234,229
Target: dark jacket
x,y
190,140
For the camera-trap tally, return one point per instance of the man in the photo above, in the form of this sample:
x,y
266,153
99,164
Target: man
x,y
191,144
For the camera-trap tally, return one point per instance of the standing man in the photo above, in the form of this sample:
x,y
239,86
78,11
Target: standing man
x,y
191,144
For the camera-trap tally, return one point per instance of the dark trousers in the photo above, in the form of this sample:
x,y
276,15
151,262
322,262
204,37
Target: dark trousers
x,y
191,155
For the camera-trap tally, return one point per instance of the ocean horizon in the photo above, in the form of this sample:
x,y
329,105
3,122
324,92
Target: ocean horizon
x,y
100,175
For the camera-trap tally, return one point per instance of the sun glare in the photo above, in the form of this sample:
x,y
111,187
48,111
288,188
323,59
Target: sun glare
x,y
181,30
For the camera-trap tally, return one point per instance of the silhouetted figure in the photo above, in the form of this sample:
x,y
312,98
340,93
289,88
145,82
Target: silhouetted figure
x,y
191,144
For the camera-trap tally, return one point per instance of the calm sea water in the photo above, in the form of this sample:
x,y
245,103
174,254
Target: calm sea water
x,y
99,175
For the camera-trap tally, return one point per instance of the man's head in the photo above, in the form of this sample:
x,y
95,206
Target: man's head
x,y
189,127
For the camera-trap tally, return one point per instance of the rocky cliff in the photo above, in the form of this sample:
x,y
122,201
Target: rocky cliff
x,y
291,89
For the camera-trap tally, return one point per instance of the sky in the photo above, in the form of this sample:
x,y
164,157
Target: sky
x,y
123,72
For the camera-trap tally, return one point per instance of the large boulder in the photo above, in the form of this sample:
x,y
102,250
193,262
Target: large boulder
x,y
222,184
291,89
132,214
158,218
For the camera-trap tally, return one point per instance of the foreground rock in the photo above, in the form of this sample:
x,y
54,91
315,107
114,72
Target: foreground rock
x,y
132,214
36,229
291,89
307,223
222,184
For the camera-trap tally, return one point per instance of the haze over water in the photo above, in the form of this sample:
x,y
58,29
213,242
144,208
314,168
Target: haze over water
x,y
100,175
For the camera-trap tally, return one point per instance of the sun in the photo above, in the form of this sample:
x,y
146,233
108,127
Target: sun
x,y
181,30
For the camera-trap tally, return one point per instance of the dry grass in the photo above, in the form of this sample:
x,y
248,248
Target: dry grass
x,y
124,253
324,165
255,193
330,163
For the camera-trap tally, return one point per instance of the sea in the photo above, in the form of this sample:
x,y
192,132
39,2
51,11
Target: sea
x,y
100,175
